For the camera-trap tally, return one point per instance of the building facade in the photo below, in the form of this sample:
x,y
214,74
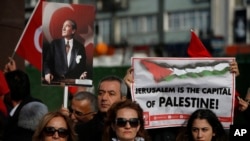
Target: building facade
x,y
168,22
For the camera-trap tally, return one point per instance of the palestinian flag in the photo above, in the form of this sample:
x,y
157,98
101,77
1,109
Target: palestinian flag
x,y
166,72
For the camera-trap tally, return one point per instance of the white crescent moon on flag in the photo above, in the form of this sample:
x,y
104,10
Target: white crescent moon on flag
x,y
36,39
47,14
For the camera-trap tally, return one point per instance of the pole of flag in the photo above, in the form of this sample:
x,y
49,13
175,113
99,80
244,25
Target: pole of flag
x,y
65,97
13,54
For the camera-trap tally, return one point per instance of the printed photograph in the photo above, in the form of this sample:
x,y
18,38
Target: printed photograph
x,y
67,53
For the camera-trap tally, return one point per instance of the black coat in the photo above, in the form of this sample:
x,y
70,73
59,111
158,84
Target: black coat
x,y
12,132
55,60
92,130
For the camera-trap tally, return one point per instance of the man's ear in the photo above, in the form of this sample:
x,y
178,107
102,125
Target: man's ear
x,y
124,98
113,127
73,32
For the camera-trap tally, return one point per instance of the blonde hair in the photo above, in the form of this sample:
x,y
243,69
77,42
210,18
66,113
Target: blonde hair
x,y
39,136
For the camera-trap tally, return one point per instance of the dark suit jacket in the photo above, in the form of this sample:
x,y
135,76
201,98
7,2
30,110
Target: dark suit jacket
x,y
92,130
12,132
55,60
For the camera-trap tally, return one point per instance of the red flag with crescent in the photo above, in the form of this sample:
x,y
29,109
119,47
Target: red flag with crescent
x,y
29,45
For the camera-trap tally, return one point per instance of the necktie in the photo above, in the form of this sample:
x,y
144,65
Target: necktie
x,y
67,47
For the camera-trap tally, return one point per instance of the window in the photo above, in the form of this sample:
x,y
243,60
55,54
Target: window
x,y
151,23
124,27
186,20
137,24
104,30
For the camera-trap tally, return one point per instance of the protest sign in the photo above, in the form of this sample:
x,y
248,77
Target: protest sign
x,y
170,89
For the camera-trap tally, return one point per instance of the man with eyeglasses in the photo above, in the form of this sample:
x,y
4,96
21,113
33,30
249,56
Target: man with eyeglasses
x,y
82,109
111,89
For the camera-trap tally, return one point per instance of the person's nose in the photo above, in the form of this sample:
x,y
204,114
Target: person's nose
x,y
105,96
199,134
73,117
55,136
63,28
127,125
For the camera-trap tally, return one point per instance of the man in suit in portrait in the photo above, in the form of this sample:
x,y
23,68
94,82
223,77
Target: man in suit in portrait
x,y
66,57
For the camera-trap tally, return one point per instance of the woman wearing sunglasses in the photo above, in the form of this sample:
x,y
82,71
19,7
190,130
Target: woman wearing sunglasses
x,y
55,126
125,122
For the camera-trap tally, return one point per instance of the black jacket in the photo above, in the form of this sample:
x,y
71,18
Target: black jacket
x,y
92,130
12,132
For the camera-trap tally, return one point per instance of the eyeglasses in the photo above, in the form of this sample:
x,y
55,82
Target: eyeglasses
x,y
50,131
133,122
80,114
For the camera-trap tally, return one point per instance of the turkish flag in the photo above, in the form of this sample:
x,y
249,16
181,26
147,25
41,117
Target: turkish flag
x,y
196,47
29,45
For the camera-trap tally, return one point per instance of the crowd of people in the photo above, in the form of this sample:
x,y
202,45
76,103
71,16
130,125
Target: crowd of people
x,y
108,115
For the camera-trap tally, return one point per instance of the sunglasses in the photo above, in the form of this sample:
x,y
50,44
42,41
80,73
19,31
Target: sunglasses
x,y
122,122
80,114
50,131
